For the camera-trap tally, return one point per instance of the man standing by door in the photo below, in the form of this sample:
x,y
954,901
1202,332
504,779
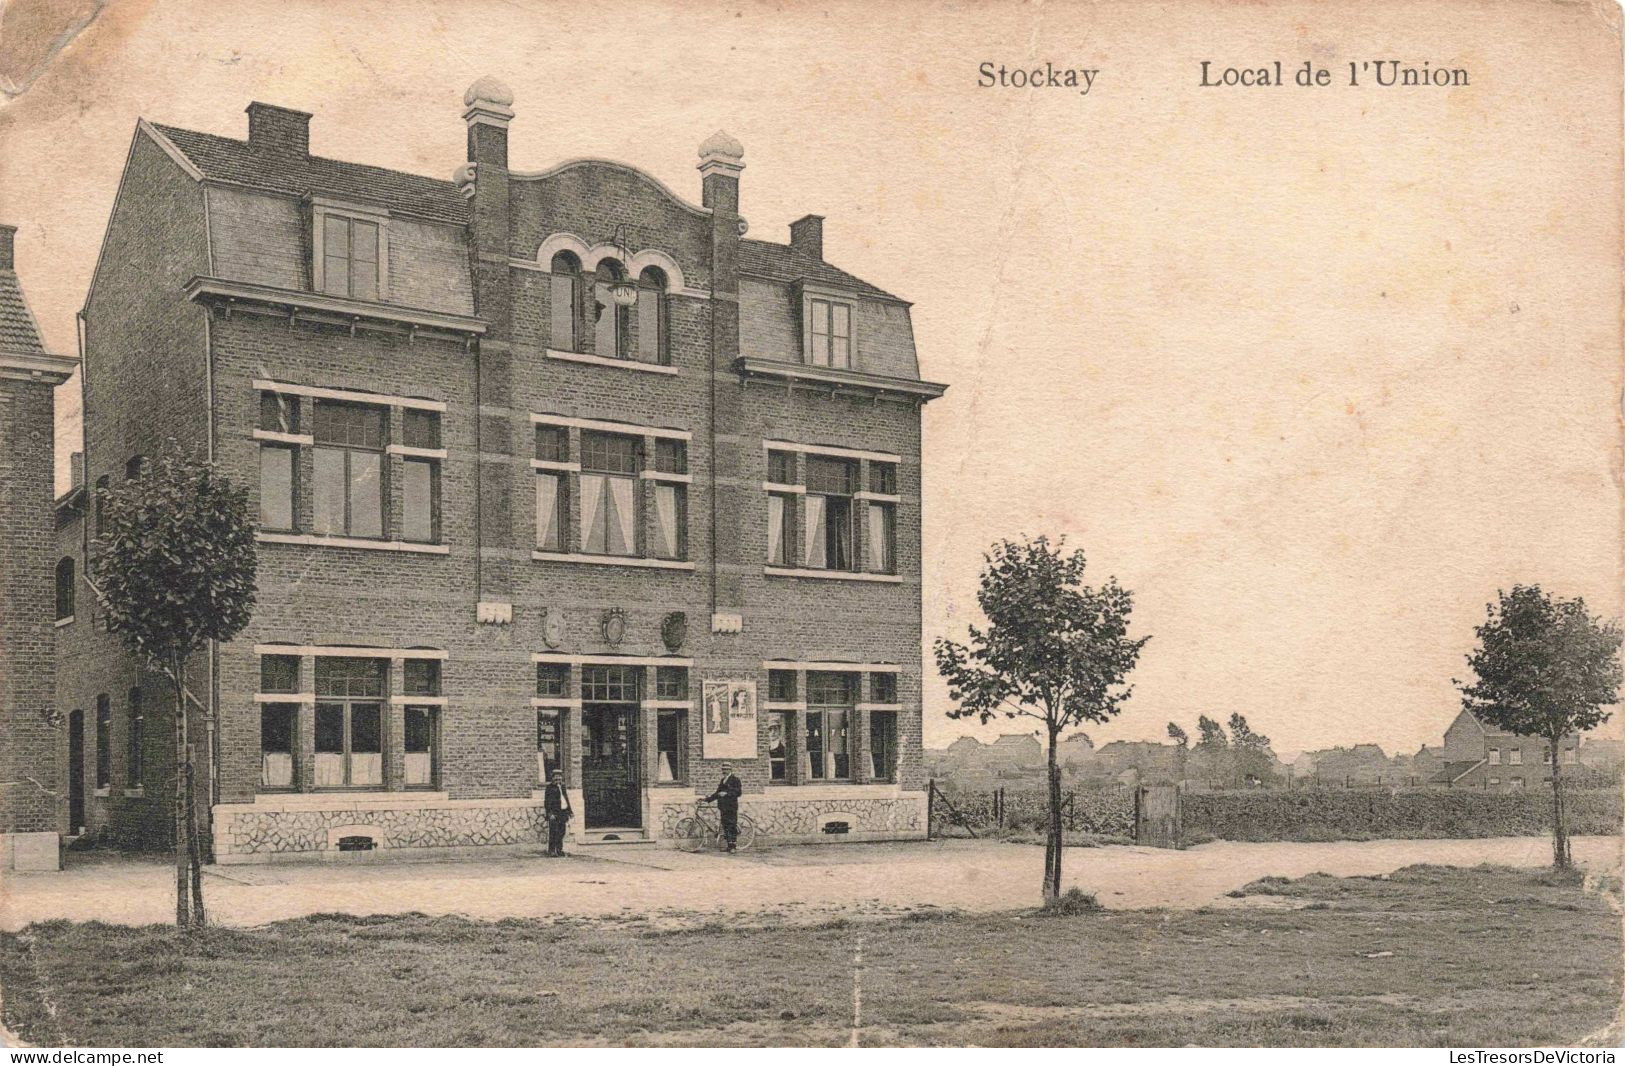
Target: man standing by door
x,y
556,807
726,798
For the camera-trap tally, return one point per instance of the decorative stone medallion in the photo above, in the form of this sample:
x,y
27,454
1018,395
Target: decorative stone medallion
x,y
614,626
674,631
552,627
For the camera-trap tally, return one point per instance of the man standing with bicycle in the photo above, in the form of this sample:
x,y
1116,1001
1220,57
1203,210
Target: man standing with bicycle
x,y
726,797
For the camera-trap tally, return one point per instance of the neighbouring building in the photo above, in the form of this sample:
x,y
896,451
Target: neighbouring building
x,y
557,474
31,777
1477,755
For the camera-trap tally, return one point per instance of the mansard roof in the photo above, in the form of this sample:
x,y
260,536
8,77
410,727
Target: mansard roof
x,y
224,159
781,262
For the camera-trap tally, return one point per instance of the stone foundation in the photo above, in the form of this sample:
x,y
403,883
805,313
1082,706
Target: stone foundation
x,y
806,814
327,826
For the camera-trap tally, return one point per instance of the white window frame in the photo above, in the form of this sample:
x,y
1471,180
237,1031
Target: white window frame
x,y
321,209
808,296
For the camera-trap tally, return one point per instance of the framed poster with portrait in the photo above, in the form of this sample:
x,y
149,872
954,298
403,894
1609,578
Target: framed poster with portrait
x,y
728,722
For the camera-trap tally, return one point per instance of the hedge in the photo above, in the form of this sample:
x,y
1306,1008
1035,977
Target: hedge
x,y
1355,814
1104,811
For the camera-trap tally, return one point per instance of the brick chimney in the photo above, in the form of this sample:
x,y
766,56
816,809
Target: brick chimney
x,y
278,130
807,235
7,252
721,160
76,468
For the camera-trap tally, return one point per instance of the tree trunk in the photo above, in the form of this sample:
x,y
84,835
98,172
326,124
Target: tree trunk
x,y
1052,841
1560,833
183,821
194,851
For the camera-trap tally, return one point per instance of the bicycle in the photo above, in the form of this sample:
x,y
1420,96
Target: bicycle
x,y
704,828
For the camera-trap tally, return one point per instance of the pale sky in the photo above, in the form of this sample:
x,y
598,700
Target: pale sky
x,y
1312,371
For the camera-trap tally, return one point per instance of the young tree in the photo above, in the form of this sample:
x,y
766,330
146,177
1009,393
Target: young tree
x,y
1251,751
1212,750
1182,742
173,569
1545,668
1054,649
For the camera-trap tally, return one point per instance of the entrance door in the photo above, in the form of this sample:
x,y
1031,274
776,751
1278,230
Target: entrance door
x,y
609,765
76,771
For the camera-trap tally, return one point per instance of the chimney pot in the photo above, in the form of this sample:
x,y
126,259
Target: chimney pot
x,y
278,129
7,252
807,235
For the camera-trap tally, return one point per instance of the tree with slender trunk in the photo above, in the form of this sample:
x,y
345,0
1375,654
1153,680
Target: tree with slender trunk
x,y
1054,649
173,568
1545,667
1182,742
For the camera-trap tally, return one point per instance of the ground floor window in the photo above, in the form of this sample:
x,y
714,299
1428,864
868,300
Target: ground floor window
x,y
548,747
349,722
830,699
276,744
104,742
883,744
781,727
422,728
671,736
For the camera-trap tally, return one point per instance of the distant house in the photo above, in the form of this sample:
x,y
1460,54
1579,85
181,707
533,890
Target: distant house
x,y
1477,755
1362,764
1013,752
1150,760
1075,751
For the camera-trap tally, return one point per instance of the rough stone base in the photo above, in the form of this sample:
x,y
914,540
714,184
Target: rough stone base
x,y
795,815
30,852
315,827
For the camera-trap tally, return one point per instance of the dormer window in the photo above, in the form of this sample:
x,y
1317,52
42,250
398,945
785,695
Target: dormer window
x,y
829,332
351,251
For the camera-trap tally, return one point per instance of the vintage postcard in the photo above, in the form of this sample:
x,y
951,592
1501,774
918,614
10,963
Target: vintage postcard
x,y
825,524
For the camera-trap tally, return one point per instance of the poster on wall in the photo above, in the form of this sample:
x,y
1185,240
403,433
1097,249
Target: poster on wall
x,y
729,720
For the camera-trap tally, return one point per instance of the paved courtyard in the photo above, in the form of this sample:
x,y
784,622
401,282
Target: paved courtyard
x,y
804,883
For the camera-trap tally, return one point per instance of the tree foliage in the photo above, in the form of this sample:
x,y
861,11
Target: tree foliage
x,y
173,568
1053,649
174,565
1210,734
1177,735
1544,667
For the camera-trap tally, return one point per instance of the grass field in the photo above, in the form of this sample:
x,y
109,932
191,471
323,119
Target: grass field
x,y
1429,956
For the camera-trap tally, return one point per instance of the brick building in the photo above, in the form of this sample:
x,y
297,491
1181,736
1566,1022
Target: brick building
x,y
30,781
557,474
1477,755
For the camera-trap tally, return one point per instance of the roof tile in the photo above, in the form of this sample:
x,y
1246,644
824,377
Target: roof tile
x,y
225,159
18,332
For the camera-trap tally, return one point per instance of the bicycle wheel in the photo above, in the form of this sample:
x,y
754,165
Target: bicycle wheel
x,y
691,834
747,832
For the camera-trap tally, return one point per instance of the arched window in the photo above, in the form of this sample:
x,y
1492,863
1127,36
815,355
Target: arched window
x,y
651,316
564,304
609,318
64,588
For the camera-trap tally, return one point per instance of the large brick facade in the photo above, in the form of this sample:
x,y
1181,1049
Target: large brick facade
x,y
31,776
209,309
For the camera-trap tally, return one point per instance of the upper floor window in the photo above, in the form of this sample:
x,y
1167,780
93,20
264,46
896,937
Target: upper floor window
x,y
134,466
827,531
64,588
420,477
348,464
829,332
564,302
609,478
670,519
651,316
609,319
350,257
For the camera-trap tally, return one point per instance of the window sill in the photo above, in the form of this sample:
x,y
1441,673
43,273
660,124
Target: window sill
x,y
68,621
135,793
316,541
611,560
305,439
623,364
408,452
832,575
103,792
